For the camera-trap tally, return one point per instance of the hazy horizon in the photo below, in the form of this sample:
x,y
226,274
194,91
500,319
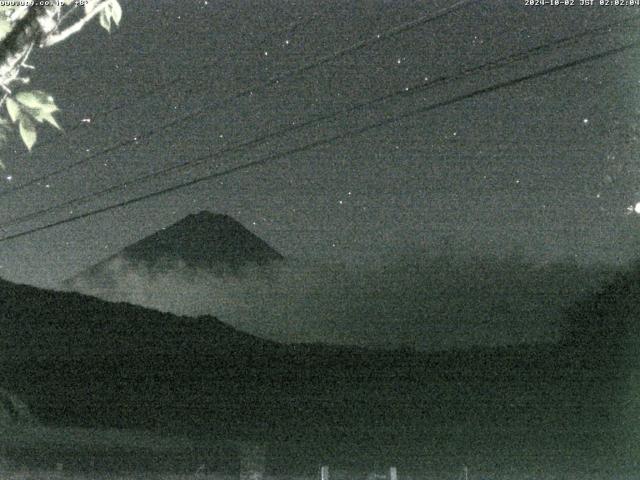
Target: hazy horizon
x,y
413,300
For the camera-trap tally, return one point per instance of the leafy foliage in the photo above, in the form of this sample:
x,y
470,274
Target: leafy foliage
x,y
111,12
27,109
5,28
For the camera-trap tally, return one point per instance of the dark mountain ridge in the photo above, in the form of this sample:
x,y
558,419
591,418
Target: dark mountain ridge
x,y
44,323
204,241
77,360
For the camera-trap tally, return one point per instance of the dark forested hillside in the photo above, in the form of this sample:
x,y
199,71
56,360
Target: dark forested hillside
x,y
77,360
603,330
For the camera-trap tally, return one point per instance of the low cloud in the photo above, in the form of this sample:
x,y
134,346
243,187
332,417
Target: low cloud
x,y
417,301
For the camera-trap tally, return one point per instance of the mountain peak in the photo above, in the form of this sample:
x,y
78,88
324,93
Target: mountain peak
x,y
203,240
206,216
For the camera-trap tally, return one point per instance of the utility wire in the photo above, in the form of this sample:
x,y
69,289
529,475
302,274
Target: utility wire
x,y
286,129
160,88
407,26
334,138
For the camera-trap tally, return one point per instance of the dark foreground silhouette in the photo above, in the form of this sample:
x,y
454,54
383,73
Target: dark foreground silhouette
x,y
79,361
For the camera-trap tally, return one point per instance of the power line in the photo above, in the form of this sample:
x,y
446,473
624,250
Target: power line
x,y
159,88
407,26
334,138
407,91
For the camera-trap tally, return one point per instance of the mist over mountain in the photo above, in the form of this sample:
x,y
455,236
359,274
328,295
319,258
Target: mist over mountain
x,y
80,361
45,324
214,243
413,299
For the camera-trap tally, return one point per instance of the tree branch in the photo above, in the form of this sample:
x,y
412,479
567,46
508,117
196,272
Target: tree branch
x,y
52,39
27,31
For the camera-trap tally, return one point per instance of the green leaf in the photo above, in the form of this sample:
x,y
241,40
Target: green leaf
x,y
37,100
5,28
50,119
112,12
105,19
27,132
44,116
36,105
14,109
116,11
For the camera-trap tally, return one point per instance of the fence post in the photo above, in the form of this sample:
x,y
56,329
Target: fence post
x,y
324,472
393,473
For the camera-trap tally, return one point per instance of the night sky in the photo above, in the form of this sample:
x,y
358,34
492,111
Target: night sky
x,y
545,169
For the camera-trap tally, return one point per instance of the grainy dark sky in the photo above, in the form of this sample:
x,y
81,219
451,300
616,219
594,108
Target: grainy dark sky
x,y
546,168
